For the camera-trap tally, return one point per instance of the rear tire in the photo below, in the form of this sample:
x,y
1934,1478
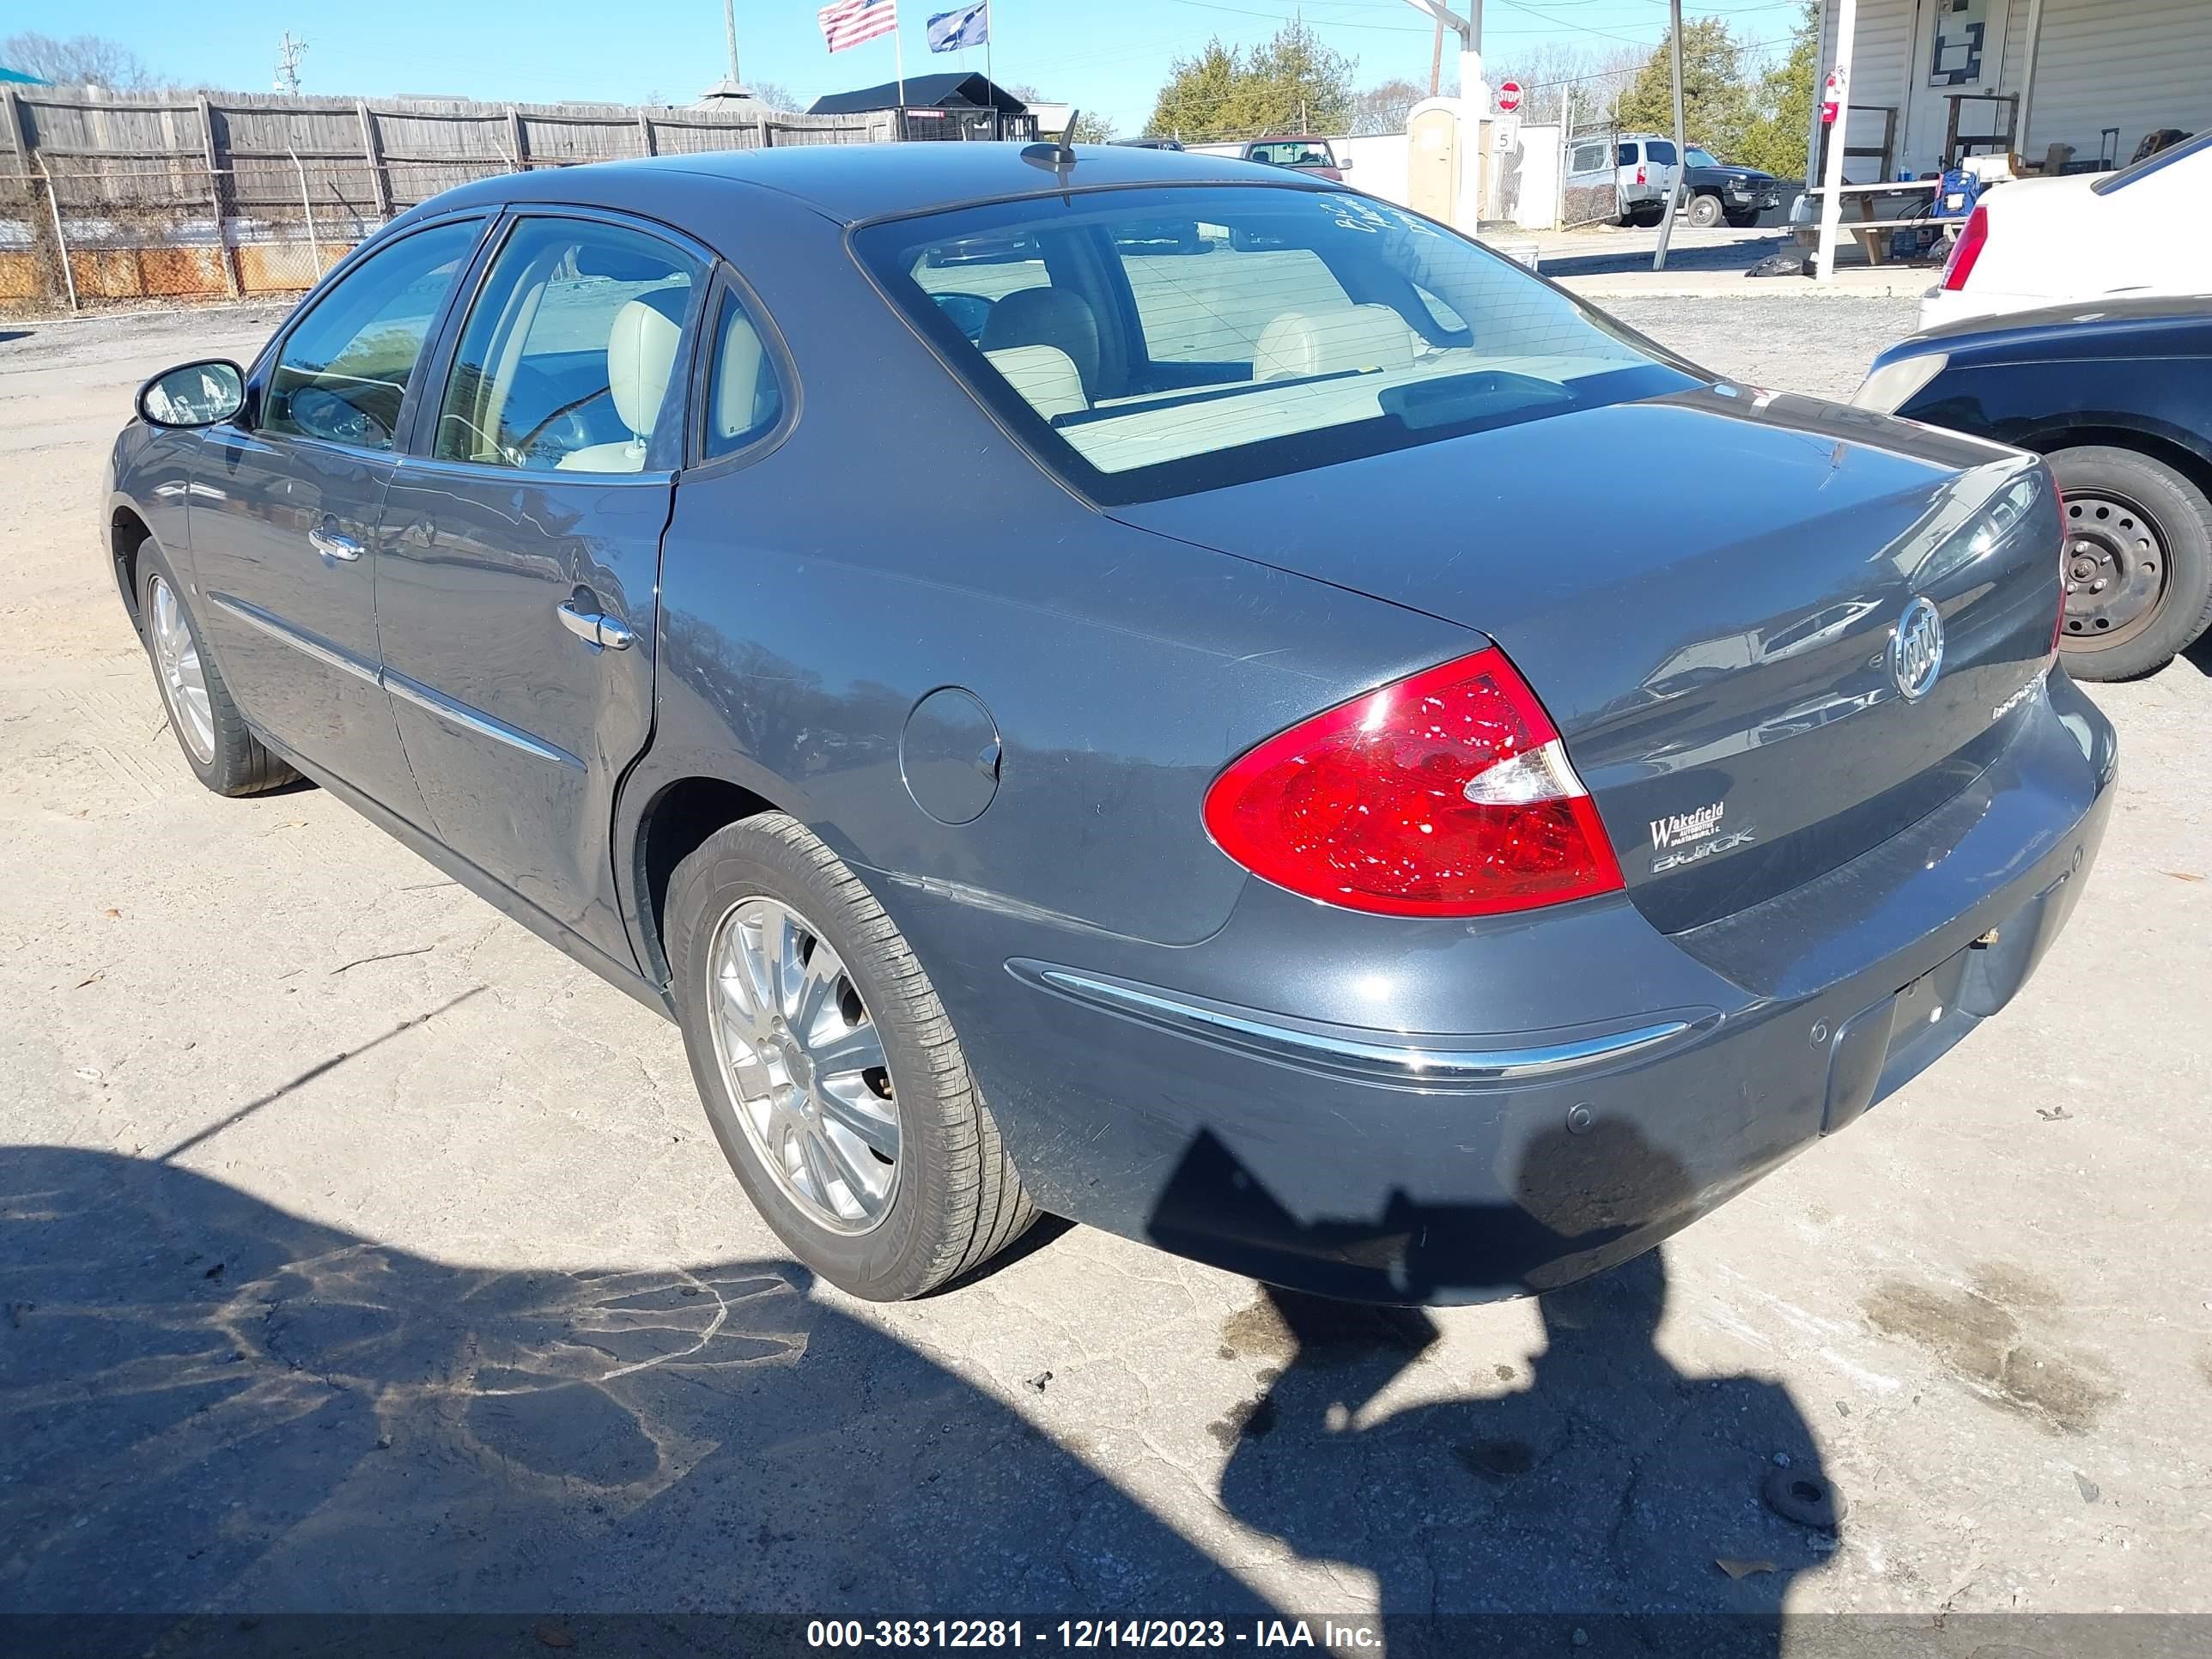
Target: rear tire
x,y
781,1075
218,743
2144,531
1704,211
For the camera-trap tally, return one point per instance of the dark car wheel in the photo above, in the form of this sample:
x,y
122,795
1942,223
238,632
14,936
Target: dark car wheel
x,y
830,1073
218,745
1705,210
2138,555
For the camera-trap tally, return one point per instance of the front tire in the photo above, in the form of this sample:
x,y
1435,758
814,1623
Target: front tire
x,y
218,743
2138,554
830,1074
1704,211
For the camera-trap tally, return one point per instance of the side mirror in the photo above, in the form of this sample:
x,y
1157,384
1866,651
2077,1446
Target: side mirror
x,y
1343,164
193,394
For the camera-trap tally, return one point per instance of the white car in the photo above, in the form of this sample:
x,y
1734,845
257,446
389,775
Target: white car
x,y
2035,242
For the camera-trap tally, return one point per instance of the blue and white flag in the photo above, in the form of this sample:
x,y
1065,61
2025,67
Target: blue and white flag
x,y
963,26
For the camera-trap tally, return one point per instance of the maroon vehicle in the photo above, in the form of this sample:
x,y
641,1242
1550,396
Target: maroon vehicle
x,y
1309,155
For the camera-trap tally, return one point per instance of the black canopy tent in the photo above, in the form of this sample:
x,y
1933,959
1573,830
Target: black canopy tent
x,y
952,106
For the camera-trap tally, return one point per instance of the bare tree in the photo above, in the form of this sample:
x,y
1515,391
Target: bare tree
x,y
84,60
1382,108
776,95
1549,69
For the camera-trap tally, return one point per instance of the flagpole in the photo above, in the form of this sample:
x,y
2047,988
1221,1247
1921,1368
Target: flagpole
x,y
998,116
898,49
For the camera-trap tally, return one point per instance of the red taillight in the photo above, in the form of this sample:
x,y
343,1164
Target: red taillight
x,y
1446,794
1639,176
1973,237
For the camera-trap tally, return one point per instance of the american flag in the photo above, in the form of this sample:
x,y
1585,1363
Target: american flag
x,y
849,22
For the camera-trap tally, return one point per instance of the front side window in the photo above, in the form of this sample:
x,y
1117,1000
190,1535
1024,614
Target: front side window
x,y
342,372
570,350
1183,339
1700,157
1587,158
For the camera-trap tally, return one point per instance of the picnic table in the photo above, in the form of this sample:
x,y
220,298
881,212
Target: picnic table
x,y
1874,220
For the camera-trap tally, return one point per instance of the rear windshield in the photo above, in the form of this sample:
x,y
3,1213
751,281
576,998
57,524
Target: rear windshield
x,y
1154,342
2151,163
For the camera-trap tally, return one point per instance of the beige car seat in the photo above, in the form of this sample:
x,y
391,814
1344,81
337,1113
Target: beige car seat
x,y
641,349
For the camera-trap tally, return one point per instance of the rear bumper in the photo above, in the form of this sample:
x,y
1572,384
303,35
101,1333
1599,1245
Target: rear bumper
x,y
1603,1084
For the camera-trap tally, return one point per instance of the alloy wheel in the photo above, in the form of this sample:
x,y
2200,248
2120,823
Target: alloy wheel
x,y
183,676
803,1064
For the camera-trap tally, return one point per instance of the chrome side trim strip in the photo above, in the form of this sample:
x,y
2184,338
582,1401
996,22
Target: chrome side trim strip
x,y
1402,1065
322,651
455,713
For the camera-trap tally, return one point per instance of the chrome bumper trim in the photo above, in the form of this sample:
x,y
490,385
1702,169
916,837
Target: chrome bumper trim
x,y
1313,1049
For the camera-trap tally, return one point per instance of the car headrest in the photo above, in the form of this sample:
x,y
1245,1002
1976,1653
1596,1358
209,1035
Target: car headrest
x,y
1303,342
642,355
1044,375
737,382
1048,317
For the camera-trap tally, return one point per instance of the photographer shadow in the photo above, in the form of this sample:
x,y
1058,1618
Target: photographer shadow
x,y
208,1405
1597,1483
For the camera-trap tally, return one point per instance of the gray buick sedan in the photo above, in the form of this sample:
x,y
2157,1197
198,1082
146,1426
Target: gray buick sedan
x,y
1120,684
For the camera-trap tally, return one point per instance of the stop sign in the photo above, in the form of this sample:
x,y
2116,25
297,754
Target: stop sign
x,y
1509,97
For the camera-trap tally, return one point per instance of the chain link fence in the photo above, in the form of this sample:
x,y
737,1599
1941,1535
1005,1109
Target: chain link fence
x,y
1589,175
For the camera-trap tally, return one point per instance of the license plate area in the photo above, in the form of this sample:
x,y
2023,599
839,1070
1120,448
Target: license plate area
x,y
1881,1047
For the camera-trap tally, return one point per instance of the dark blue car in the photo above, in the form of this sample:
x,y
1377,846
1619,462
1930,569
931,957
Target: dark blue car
x,y
2116,393
1118,686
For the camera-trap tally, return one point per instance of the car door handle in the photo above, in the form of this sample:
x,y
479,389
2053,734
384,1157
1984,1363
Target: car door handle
x,y
592,626
332,545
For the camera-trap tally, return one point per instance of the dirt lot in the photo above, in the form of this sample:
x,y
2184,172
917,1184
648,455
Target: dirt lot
x,y
358,1252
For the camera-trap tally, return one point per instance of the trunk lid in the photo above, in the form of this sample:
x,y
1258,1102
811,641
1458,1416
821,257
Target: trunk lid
x,y
1704,590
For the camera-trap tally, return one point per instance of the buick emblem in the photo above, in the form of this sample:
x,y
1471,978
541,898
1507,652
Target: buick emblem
x,y
1916,649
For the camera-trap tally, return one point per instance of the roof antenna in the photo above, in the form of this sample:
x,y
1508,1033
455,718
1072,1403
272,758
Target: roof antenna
x,y
1059,157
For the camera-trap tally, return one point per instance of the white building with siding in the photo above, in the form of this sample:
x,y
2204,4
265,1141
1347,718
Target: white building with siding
x,y
2077,68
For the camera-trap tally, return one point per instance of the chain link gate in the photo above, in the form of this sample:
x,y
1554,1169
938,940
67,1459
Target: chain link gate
x,y
1589,176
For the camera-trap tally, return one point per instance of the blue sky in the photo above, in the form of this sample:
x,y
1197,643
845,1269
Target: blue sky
x,y
1109,56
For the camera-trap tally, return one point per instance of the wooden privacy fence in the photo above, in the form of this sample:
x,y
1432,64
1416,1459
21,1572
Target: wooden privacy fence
x,y
109,199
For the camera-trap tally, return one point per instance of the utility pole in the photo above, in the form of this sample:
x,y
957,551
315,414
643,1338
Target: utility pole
x,y
288,64
1436,62
729,33
1831,168
1682,148
1473,105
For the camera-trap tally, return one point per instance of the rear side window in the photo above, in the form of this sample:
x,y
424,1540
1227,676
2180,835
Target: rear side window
x,y
342,372
1186,338
570,352
744,400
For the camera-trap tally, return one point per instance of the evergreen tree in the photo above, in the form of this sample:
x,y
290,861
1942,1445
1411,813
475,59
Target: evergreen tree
x,y
1291,84
1717,106
1776,141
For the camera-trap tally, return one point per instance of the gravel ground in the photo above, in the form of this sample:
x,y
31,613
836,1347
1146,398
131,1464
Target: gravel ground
x,y
1818,345
359,1252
